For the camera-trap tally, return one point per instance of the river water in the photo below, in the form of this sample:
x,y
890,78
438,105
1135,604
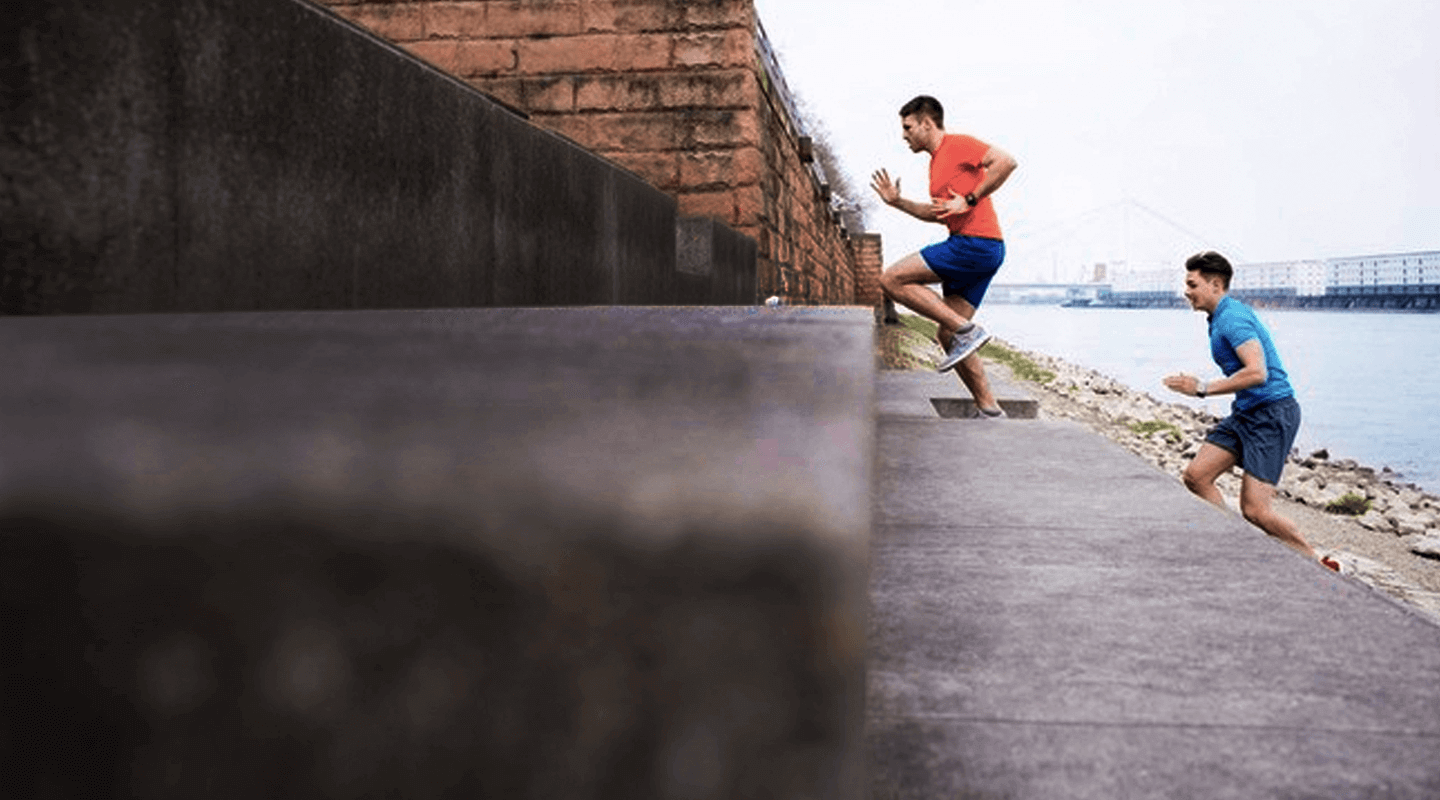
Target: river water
x,y
1368,383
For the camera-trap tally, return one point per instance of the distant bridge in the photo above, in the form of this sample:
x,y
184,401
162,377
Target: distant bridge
x,y
1045,292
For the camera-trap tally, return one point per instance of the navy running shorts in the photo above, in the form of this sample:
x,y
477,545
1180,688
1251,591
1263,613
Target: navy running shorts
x,y
965,264
1260,438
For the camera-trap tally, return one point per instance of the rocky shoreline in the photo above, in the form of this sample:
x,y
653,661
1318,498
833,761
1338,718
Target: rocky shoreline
x,y
1169,435
1394,546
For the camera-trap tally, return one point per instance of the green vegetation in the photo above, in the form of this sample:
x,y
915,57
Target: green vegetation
x,y
920,325
1154,426
1349,503
1019,364
1023,367
915,345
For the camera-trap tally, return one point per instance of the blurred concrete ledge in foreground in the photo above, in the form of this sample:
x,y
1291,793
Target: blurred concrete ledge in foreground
x,y
606,552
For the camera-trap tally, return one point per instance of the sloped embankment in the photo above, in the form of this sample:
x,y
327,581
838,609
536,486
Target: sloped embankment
x,y
1392,544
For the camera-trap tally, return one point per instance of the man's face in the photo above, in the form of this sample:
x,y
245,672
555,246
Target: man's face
x,y
1203,291
916,130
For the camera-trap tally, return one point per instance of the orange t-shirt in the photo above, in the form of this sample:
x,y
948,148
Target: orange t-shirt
x,y
955,167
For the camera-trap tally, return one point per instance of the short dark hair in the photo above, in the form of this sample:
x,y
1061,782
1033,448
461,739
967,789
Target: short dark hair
x,y
925,106
1211,263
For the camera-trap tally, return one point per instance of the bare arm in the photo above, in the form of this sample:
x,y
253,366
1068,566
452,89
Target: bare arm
x,y
997,165
889,191
1252,374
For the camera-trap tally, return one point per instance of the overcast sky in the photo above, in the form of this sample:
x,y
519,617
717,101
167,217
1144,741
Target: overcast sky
x,y
1145,129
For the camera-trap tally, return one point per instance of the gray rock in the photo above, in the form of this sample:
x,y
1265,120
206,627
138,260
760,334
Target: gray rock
x,y
1409,524
1428,546
1337,490
1374,521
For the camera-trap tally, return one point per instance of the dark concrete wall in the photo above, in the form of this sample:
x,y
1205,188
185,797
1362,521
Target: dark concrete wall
x,y
716,264
687,94
200,155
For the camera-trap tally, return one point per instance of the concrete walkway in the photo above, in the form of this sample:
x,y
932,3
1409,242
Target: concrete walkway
x,y
1054,618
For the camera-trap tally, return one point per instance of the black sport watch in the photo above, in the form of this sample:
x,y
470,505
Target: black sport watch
x,y
971,199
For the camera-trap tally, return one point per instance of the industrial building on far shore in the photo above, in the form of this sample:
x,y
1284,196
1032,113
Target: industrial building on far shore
x,y
1396,281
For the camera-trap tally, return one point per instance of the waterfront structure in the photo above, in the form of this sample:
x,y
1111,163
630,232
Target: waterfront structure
x,y
1398,281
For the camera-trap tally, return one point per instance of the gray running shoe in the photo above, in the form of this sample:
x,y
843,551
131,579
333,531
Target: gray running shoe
x,y
962,346
980,413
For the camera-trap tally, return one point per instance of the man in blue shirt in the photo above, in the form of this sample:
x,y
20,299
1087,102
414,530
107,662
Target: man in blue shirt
x,y
1264,417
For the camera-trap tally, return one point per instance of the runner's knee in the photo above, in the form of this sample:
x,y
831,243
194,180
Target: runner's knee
x,y
1255,512
888,283
1193,480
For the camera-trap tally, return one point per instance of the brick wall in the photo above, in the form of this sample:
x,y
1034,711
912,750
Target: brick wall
x,y
869,262
681,92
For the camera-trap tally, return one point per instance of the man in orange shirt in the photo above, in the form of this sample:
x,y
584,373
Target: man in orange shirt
x,y
964,172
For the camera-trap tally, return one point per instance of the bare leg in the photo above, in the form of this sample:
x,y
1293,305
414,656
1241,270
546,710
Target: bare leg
x,y
1210,463
972,370
907,283
1256,499
1255,503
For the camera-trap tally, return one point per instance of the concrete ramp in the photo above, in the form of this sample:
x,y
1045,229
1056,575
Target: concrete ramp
x,y
926,394
1052,617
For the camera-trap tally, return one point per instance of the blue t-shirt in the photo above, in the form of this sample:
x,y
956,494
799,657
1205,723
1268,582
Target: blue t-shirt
x,y
1232,325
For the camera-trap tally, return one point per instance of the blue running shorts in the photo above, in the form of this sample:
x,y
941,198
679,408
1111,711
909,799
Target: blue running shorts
x,y
965,264
1260,438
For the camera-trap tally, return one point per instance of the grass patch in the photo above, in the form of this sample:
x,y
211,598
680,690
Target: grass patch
x,y
1023,367
1154,426
1349,503
914,343
920,325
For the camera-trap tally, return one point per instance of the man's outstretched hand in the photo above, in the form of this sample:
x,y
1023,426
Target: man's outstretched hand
x,y
1182,383
889,190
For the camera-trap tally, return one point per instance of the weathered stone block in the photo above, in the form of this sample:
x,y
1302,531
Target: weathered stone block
x,y
518,19
721,13
709,89
729,48
485,57
460,20
398,22
443,54
594,53
720,128
717,168
632,16
661,170
750,206
547,95
617,92
718,205
621,132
